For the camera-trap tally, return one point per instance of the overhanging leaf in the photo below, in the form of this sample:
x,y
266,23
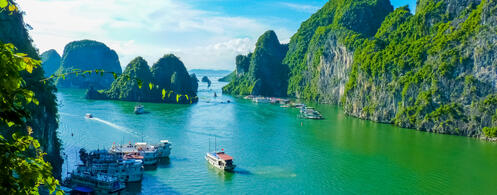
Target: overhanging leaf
x,y
3,3
29,68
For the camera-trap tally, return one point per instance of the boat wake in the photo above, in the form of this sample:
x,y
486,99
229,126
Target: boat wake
x,y
67,114
274,172
115,126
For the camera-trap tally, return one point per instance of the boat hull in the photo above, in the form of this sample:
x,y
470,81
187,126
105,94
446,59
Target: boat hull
x,y
109,186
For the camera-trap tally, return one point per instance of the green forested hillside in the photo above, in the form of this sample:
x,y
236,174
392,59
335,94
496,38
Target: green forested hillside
x,y
433,70
321,51
50,62
261,72
167,81
430,71
87,55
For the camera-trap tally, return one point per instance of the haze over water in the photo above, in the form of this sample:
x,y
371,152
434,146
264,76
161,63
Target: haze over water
x,y
275,151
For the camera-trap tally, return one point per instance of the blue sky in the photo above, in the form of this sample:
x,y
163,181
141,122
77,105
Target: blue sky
x,y
203,33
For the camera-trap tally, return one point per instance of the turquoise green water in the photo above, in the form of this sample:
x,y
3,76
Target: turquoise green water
x,y
276,152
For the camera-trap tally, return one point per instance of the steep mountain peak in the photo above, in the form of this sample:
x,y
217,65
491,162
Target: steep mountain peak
x,y
139,68
88,55
138,62
169,61
51,61
268,40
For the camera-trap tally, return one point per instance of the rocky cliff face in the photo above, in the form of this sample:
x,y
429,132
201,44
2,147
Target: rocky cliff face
x,y
43,116
88,55
168,78
261,72
433,71
50,62
321,53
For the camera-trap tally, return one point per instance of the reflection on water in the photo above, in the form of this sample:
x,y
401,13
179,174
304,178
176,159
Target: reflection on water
x,y
276,152
242,171
224,176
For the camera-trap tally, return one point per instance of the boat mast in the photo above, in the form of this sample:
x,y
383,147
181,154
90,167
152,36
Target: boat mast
x,y
67,165
209,144
215,144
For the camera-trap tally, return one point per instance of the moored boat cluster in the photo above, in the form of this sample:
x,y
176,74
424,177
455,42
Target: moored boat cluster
x,y
305,111
108,171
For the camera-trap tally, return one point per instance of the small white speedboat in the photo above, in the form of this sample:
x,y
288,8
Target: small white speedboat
x,y
88,115
139,109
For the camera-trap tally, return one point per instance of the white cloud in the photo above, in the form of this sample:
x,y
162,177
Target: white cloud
x,y
301,7
152,28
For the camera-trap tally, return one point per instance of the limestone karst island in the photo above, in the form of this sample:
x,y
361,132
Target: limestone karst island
x,y
248,97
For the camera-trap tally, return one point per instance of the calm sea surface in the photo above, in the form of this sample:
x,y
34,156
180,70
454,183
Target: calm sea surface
x,y
276,152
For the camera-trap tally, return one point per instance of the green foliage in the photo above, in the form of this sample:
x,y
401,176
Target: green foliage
x,y
490,131
13,94
6,5
22,167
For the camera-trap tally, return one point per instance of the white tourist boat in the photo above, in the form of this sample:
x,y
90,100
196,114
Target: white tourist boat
x,y
163,148
100,182
310,113
220,160
150,153
125,168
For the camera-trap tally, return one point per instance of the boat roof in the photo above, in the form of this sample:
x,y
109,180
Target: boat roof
x,y
224,156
